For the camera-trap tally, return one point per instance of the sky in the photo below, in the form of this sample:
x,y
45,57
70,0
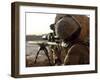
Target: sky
x,y
38,23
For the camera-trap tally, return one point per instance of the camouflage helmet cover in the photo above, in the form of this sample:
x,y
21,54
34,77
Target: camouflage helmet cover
x,y
65,26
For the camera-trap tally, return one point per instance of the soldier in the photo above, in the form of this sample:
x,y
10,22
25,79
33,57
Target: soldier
x,y
68,29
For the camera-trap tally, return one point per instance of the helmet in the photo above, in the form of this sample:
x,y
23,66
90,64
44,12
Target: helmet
x,y
67,28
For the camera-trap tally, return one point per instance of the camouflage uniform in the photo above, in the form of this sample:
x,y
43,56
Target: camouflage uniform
x,y
77,51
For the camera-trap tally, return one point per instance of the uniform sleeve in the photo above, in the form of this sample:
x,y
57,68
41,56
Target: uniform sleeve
x,y
77,54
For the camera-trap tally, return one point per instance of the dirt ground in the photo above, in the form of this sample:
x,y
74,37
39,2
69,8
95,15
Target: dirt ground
x,y
31,51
